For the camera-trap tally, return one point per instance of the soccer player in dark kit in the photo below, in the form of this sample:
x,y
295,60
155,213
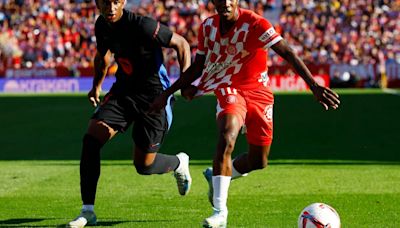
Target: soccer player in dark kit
x,y
136,44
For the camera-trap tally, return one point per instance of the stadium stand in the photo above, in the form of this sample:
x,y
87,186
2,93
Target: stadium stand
x,y
349,36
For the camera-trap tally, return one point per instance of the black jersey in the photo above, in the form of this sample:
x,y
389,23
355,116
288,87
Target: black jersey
x,y
136,43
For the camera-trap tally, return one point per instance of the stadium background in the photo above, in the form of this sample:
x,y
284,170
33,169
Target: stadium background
x,y
355,43
348,158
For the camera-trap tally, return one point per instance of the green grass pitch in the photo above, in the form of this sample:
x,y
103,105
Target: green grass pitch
x,y
349,158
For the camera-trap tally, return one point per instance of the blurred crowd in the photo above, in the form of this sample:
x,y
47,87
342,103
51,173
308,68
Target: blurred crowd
x,y
46,33
49,33
347,31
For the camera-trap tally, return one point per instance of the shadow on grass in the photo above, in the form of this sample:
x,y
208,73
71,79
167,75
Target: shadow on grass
x,y
209,163
18,221
335,163
112,223
21,222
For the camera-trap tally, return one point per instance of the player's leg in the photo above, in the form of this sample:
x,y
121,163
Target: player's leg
x,y
208,173
228,128
259,132
231,113
242,164
108,119
148,163
97,135
148,134
256,158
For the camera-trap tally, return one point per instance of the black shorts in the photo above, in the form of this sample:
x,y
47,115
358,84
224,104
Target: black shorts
x,y
119,111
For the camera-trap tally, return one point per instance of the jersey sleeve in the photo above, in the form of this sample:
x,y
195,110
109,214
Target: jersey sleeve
x,y
263,36
201,47
155,31
102,46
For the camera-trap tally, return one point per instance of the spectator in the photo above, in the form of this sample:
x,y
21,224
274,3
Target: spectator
x,y
60,32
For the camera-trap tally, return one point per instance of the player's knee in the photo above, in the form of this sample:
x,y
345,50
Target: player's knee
x,y
144,170
147,148
140,164
91,140
90,145
229,140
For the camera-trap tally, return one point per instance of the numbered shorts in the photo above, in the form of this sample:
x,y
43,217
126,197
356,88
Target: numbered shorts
x,y
119,112
254,109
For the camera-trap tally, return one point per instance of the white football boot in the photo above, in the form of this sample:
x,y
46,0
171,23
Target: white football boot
x,y
83,219
208,173
182,174
217,220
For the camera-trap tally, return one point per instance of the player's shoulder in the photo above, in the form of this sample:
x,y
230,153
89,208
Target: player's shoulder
x,y
252,18
130,16
145,22
100,21
211,20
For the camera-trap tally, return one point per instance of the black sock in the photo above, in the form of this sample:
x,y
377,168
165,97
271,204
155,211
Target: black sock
x,y
89,168
163,163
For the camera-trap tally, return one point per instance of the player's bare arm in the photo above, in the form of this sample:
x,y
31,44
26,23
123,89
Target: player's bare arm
x,y
101,64
184,82
190,75
326,97
188,90
182,48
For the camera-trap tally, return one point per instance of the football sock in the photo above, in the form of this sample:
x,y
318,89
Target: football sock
x,y
90,168
162,163
235,173
87,207
221,188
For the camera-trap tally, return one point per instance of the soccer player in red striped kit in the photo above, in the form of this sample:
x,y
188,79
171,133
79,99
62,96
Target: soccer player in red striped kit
x,y
232,62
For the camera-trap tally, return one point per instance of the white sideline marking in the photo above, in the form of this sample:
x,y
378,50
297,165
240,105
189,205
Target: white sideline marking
x,y
392,91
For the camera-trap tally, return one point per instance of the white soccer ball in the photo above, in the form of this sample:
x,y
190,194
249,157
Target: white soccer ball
x,y
319,215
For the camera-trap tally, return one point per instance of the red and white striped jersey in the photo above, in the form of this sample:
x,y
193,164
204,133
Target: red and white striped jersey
x,y
238,58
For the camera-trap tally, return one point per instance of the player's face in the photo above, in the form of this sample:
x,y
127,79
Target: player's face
x,y
111,10
227,9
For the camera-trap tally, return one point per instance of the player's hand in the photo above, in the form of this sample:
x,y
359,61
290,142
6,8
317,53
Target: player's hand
x,y
326,97
189,92
94,96
159,103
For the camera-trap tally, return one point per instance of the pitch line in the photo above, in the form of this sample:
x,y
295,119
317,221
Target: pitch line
x,y
391,91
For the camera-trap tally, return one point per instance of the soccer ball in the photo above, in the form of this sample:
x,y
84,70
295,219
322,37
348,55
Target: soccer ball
x,y
319,215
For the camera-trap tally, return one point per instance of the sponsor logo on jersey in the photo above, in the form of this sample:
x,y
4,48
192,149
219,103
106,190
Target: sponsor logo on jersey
x,y
213,68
